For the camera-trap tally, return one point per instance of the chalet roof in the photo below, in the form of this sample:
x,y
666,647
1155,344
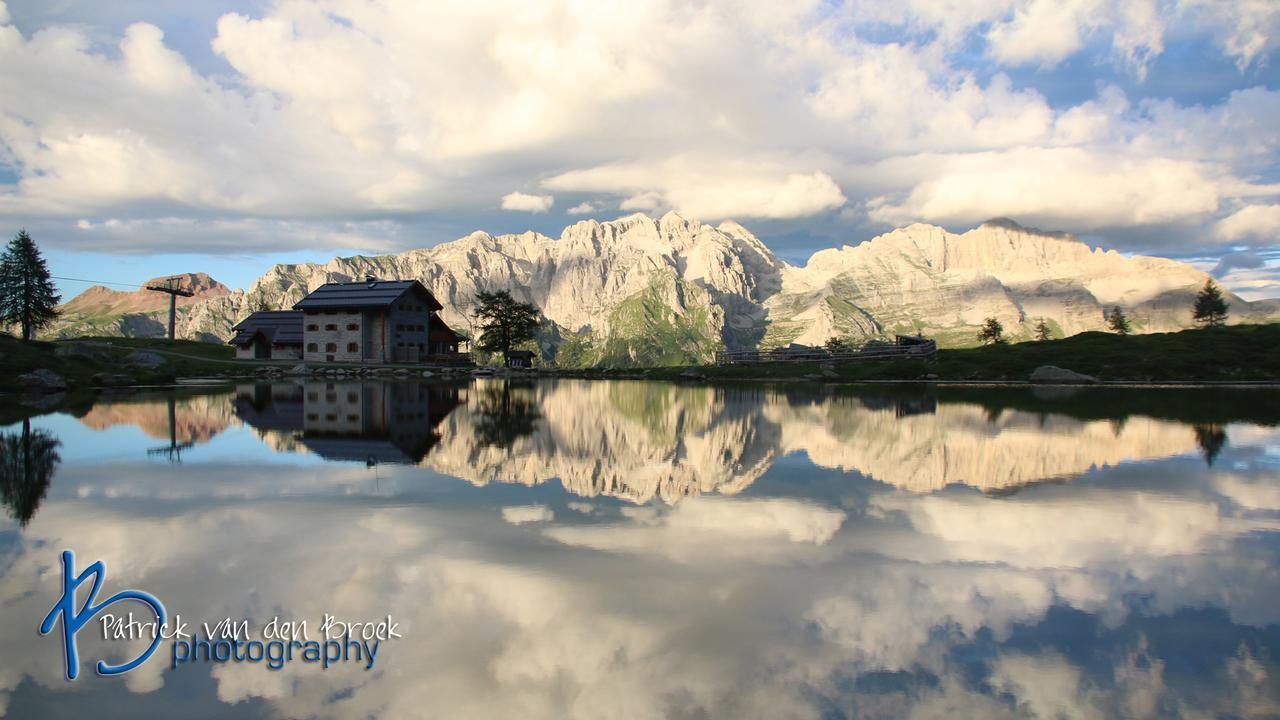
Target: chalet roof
x,y
520,353
279,327
367,294
438,331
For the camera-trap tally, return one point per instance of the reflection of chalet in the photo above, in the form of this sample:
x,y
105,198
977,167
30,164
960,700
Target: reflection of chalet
x,y
269,335
375,422
360,422
376,321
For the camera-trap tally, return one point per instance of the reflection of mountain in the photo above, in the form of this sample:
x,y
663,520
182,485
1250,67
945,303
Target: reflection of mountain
x,y
365,422
624,439
643,440
196,419
965,443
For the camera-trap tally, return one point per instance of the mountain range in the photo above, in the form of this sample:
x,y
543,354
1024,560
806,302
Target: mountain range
x,y
645,291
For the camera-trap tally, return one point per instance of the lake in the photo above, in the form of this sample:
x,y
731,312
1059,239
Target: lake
x,y
607,549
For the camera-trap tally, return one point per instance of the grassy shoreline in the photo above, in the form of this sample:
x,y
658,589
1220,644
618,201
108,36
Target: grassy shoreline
x,y
1229,355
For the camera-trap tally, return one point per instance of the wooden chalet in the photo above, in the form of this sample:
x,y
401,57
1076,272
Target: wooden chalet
x,y
269,335
376,321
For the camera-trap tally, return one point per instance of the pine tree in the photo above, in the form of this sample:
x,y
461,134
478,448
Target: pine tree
x,y
1211,308
1042,331
504,322
835,344
992,332
27,295
1118,322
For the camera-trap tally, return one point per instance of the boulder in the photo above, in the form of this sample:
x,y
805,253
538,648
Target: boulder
x,y
82,350
42,382
1052,375
112,380
144,359
299,370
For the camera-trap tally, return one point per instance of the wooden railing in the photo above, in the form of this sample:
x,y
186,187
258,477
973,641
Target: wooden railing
x,y
926,350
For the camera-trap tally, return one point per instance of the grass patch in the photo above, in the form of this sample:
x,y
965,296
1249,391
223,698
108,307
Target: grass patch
x,y
1236,353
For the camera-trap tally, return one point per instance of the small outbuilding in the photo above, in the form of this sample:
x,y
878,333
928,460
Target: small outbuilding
x,y
269,335
520,358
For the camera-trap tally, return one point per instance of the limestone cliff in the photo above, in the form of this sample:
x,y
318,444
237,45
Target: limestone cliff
x,y
639,291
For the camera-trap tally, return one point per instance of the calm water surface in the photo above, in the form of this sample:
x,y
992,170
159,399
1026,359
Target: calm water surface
x,y
576,549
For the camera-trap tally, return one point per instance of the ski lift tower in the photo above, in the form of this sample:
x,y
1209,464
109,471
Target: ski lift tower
x,y
172,289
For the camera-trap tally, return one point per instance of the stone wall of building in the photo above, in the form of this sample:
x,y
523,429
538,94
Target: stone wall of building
x,y
333,336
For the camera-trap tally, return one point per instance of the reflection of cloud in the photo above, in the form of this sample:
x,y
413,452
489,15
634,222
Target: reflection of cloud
x,y
790,594
520,514
710,526
718,606
1070,529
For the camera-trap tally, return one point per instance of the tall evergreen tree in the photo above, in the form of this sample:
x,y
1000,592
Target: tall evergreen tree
x,y
1210,308
1118,322
1042,331
27,295
503,321
992,332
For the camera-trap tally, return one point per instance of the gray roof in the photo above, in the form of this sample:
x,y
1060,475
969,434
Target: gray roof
x,y
280,327
367,294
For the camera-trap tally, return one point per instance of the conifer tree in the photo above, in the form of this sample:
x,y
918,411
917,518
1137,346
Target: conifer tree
x,y
1042,331
992,332
1118,322
27,295
1211,308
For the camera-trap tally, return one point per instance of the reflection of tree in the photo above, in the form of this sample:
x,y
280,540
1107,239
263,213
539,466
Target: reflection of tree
x,y
506,413
1211,439
27,464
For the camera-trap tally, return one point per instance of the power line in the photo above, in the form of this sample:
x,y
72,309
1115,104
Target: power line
x,y
96,282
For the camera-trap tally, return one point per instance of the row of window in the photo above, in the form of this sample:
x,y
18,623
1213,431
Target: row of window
x,y
410,328
332,347
331,327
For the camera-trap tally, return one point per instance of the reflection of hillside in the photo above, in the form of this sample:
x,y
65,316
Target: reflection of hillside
x,y
964,443
196,419
639,441
625,439
365,422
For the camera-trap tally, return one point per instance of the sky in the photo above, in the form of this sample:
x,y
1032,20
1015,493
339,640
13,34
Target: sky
x,y
140,139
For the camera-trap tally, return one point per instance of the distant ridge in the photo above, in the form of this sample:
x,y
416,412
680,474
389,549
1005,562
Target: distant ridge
x,y
651,291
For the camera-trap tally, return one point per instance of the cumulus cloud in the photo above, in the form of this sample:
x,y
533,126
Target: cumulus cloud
x,y
1051,187
521,514
1252,222
348,111
523,202
709,190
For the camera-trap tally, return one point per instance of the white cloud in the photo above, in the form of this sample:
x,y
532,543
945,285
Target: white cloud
x,y
709,190
1251,222
1052,187
521,514
523,202
353,110
1047,32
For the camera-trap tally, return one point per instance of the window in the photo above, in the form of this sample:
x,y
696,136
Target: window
x,y
331,347
353,397
313,327
352,326
353,347
312,347
330,326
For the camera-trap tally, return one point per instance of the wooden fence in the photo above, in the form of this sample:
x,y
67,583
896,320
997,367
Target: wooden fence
x,y
916,349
